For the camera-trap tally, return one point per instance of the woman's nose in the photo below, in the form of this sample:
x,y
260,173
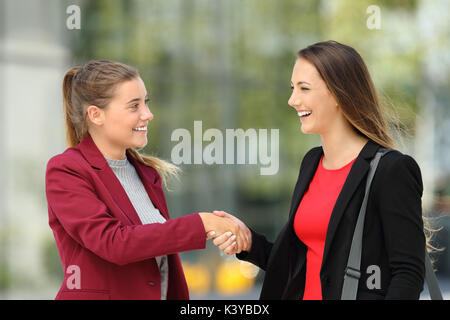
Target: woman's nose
x,y
148,115
293,100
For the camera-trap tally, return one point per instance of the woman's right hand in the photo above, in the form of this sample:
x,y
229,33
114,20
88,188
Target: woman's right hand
x,y
225,242
217,225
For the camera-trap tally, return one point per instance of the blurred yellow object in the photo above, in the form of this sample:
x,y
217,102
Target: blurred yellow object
x,y
197,278
235,277
248,270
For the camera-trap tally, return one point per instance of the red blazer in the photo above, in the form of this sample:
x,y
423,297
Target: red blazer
x,y
106,252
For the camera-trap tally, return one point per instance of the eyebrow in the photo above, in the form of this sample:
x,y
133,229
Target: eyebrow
x,y
137,99
302,82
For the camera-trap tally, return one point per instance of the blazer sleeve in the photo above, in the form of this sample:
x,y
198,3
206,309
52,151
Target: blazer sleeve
x,y
402,223
74,202
259,252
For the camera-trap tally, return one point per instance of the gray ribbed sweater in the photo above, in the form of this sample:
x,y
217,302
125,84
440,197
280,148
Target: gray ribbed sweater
x,y
144,207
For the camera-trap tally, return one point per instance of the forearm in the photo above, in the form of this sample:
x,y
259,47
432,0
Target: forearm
x,y
124,244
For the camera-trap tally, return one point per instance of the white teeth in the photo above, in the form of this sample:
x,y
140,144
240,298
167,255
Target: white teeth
x,y
304,113
140,129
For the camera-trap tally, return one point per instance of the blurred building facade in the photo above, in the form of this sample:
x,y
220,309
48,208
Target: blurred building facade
x,y
32,60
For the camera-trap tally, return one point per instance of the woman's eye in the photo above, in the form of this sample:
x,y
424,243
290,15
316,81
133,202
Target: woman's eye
x,y
135,106
304,89
292,87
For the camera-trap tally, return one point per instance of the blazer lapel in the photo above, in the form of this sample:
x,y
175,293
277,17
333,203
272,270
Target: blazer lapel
x,y
105,173
297,258
305,176
358,171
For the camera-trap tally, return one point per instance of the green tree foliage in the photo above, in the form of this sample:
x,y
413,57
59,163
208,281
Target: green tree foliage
x,y
229,63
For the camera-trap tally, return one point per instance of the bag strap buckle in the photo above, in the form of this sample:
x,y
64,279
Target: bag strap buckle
x,y
352,272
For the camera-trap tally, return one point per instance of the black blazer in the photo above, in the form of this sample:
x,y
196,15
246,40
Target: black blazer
x,y
393,238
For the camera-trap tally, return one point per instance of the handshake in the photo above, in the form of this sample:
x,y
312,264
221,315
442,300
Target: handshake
x,y
230,234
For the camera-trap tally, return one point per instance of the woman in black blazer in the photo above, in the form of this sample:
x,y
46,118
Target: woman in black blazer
x,y
333,89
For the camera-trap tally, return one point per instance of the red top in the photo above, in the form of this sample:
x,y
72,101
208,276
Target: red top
x,y
311,221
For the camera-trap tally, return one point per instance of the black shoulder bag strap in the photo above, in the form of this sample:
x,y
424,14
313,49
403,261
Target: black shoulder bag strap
x,y
352,271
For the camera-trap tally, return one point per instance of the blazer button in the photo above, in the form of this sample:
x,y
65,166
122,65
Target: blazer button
x,y
152,283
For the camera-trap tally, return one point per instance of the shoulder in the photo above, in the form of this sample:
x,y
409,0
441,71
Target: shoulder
x,y
395,160
70,159
68,170
396,167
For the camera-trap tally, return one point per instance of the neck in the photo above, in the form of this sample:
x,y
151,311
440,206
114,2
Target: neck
x,y
340,147
107,149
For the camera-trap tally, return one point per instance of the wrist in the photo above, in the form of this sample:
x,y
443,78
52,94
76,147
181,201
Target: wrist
x,y
249,246
205,217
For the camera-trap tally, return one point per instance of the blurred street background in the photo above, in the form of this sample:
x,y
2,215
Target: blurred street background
x,y
228,64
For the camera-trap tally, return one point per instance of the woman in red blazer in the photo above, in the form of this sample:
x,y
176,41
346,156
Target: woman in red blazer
x,y
105,250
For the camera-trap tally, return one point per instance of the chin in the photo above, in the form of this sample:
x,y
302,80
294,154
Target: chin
x,y
141,145
305,130
310,130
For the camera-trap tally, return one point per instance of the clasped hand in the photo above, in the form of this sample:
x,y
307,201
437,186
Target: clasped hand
x,y
230,234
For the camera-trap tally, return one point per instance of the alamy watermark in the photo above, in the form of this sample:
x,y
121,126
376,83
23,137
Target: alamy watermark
x,y
374,20
374,280
73,21
239,146
74,280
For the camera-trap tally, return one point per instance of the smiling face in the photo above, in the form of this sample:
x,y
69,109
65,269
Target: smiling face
x,y
314,103
123,123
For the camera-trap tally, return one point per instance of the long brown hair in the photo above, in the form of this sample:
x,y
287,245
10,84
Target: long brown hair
x,y
95,84
347,78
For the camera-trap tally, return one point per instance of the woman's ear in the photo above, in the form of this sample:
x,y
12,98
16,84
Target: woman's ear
x,y
96,115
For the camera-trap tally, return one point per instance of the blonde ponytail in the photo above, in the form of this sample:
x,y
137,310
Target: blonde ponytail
x,y
70,113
